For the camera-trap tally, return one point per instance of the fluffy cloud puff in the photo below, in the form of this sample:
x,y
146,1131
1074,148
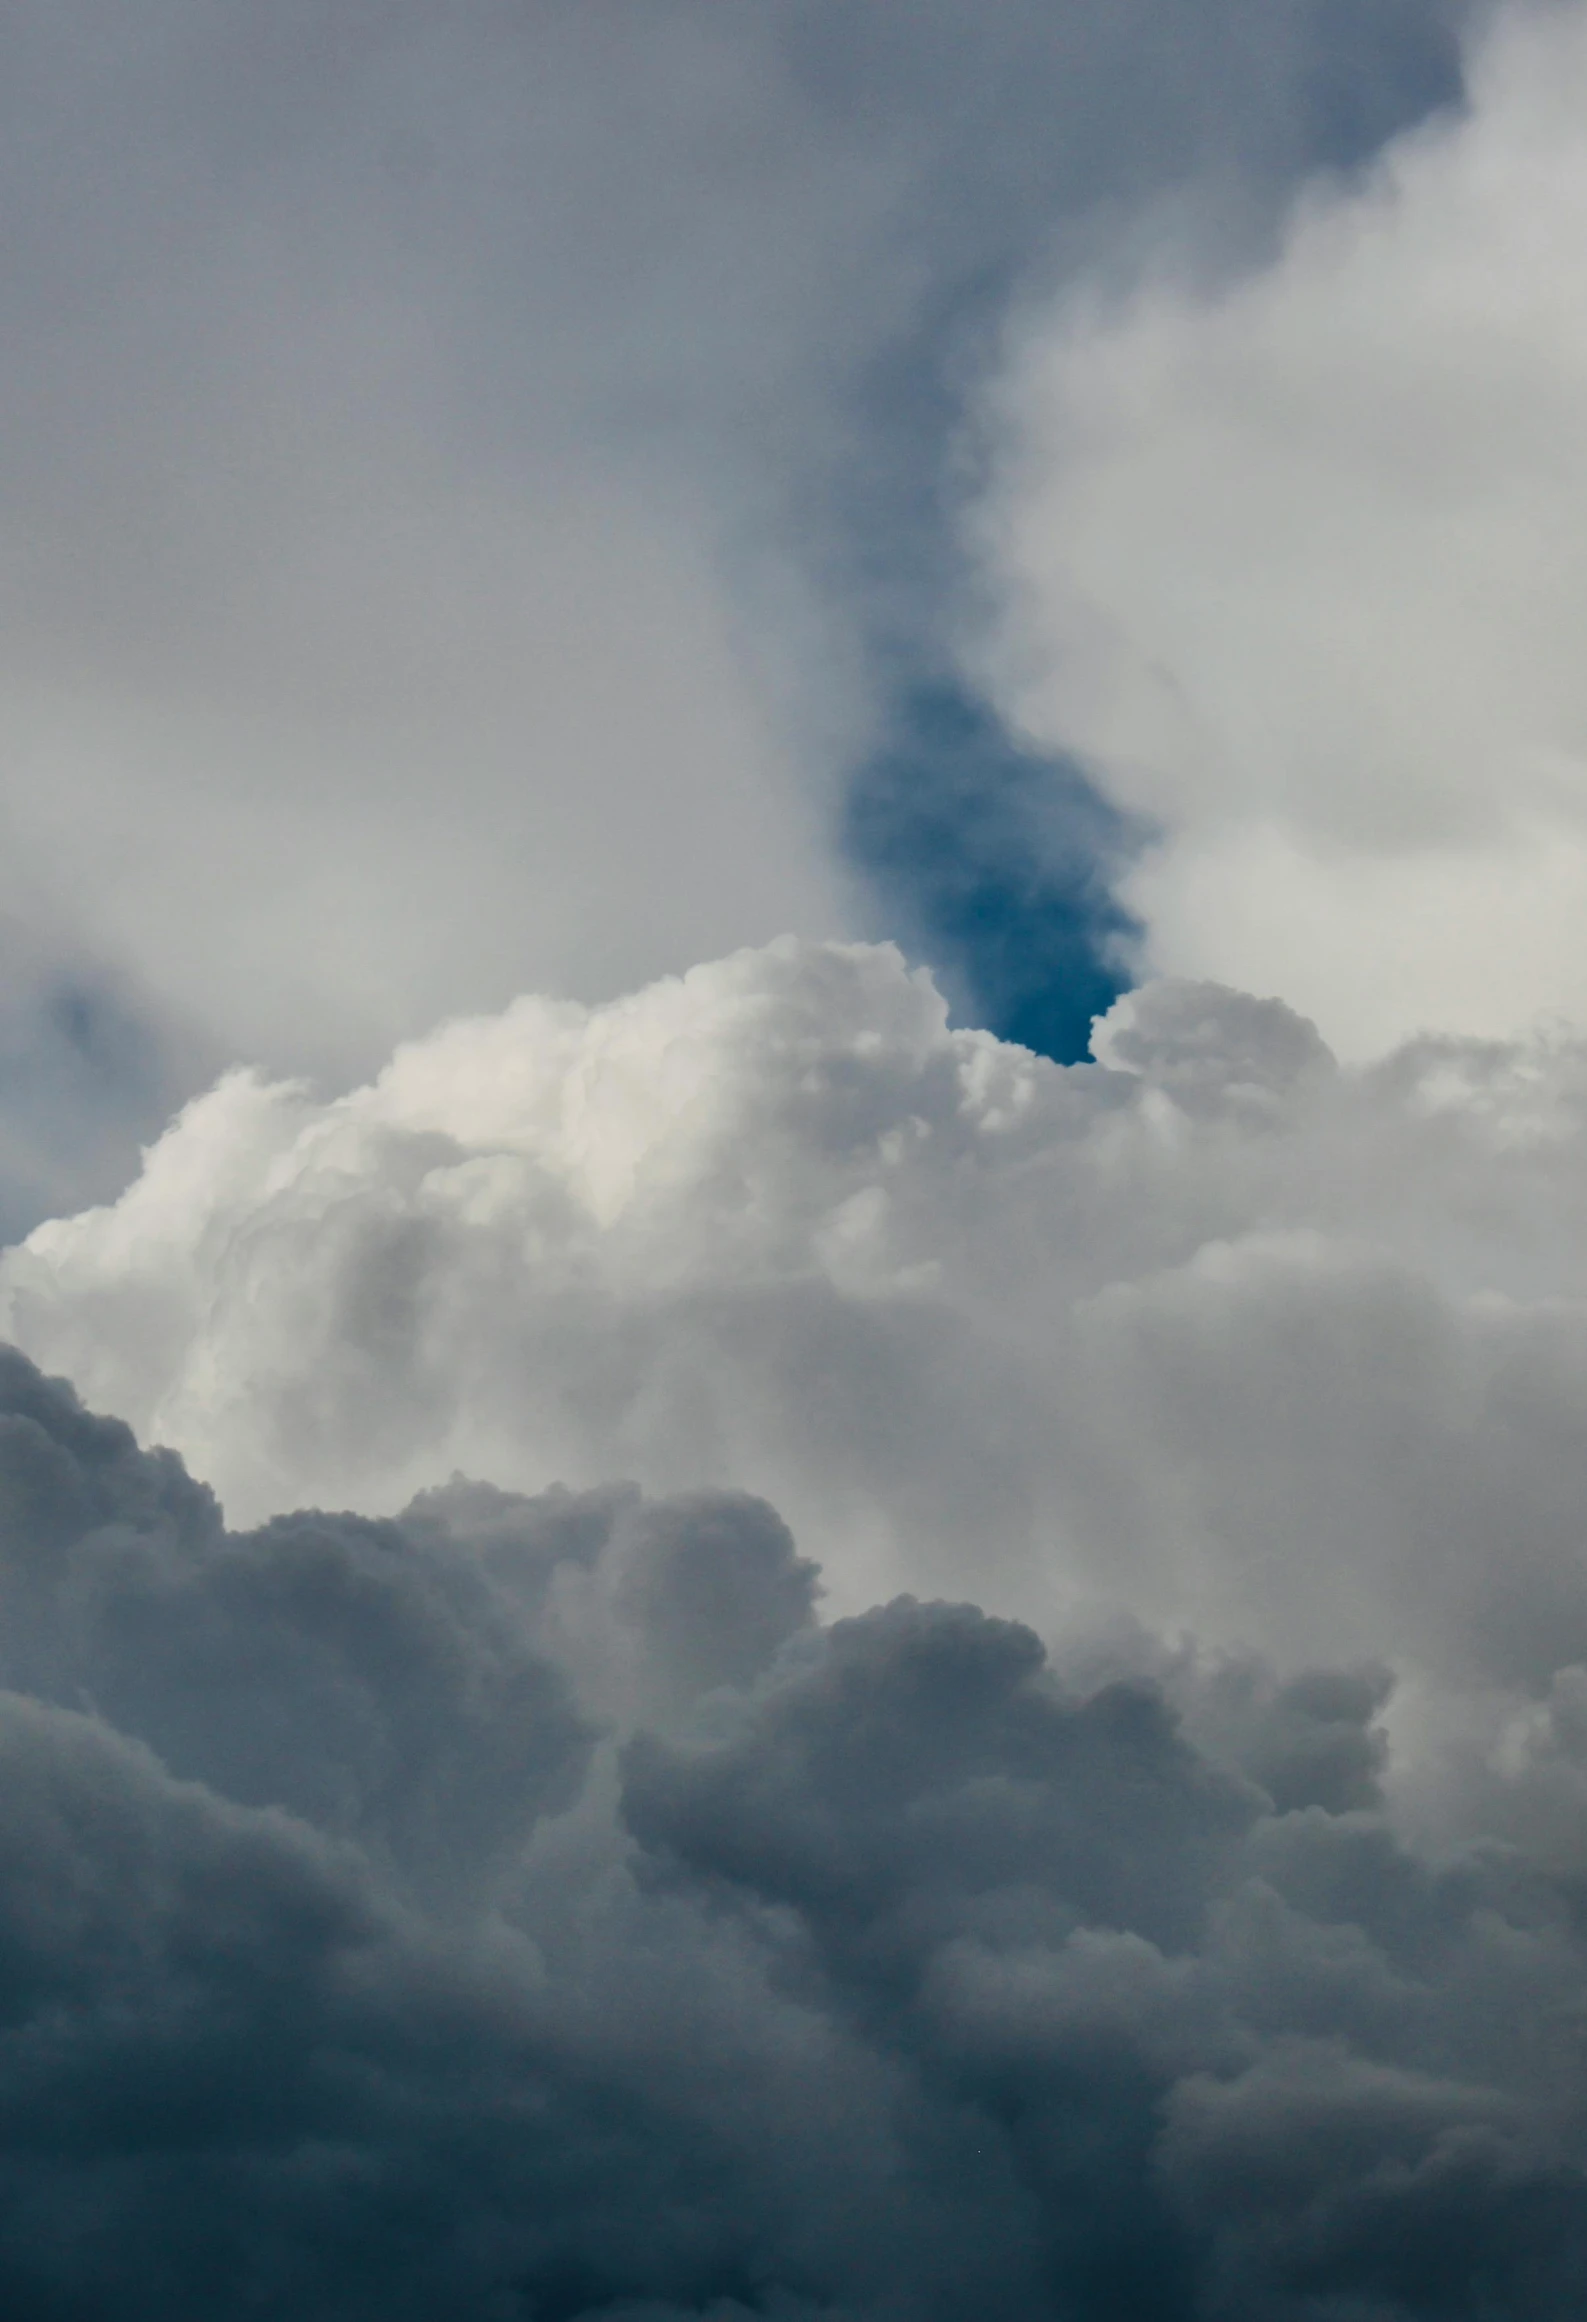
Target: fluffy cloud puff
x,y
1294,562
1214,1334
860,1971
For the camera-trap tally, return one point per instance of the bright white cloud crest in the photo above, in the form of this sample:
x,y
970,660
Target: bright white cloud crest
x,y
1221,1336
1298,565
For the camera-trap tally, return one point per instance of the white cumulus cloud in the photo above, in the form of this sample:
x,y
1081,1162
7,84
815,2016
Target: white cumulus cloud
x,y
1297,562
1219,1336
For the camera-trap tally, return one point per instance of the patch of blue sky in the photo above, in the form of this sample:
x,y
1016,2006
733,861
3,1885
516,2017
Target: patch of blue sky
x,y
995,864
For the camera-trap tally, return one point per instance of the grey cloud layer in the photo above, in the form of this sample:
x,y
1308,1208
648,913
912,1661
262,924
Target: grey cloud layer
x,y
876,1974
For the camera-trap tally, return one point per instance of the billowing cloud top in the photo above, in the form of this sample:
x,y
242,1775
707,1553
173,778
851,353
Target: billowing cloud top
x,y
1214,1336
1215,1329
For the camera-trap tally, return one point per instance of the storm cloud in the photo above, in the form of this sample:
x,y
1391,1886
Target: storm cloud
x,y
370,1943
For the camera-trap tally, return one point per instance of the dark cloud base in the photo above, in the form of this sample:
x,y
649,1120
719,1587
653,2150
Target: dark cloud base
x,y
525,1909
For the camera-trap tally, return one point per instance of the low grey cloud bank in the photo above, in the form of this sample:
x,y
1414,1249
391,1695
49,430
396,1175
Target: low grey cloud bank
x,y
397,1921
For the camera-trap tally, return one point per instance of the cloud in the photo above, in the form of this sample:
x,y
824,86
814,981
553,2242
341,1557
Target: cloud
x,y
334,573
388,1682
1219,1337
1288,559
460,473
894,1974
85,1078
1055,1784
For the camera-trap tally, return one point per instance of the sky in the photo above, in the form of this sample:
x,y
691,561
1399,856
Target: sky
x,y
484,494
793,1113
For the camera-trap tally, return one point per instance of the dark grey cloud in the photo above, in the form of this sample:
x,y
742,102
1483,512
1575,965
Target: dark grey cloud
x,y
365,1950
